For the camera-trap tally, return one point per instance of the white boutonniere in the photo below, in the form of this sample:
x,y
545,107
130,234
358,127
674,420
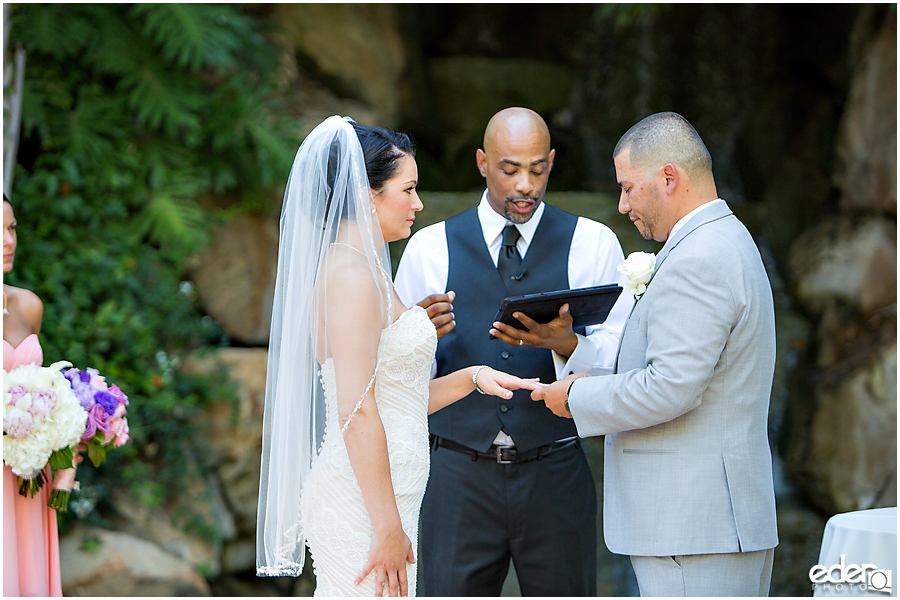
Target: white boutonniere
x,y
638,268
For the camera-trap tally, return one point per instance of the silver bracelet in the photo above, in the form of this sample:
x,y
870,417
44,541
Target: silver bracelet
x,y
475,378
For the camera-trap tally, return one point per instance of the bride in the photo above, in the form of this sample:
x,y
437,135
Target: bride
x,y
346,357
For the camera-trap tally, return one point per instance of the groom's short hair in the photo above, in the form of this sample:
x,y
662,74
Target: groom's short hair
x,y
662,138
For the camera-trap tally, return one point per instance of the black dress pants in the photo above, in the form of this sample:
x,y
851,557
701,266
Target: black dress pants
x,y
477,515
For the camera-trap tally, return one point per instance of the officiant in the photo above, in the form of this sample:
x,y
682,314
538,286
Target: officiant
x,y
509,479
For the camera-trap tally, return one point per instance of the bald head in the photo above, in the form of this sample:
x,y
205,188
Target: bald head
x,y
516,162
516,123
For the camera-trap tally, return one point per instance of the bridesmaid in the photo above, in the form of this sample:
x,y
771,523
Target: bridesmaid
x,y
30,538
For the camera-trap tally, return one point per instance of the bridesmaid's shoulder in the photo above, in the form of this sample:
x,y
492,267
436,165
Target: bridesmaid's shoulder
x,y
30,305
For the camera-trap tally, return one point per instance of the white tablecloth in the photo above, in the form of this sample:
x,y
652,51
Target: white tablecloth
x,y
862,537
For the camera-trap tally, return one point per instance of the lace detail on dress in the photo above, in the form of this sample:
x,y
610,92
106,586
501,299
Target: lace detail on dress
x,y
337,527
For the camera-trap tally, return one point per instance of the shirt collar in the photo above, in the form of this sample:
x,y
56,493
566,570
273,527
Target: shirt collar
x,y
683,220
492,224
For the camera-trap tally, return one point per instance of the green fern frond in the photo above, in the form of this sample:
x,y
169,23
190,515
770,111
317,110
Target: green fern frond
x,y
121,49
222,175
273,154
193,36
250,124
60,30
173,217
164,160
95,125
163,99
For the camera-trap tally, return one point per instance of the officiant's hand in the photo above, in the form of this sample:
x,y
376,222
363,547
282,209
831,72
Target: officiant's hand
x,y
557,335
389,552
439,308
555,395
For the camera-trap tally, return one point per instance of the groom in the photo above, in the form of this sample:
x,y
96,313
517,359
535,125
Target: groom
x,y
688,487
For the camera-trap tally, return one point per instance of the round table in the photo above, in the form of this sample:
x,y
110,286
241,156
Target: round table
x,y
858,555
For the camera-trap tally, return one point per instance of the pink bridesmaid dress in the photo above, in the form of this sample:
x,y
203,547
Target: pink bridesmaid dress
x,y
30,538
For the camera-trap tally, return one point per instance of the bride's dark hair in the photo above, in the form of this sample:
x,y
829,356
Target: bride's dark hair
x,y
382,149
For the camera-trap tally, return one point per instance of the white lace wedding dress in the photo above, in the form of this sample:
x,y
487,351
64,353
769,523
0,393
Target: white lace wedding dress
x,y
337,525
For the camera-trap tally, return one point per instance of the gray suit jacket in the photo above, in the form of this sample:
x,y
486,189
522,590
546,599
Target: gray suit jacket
x,y
687,467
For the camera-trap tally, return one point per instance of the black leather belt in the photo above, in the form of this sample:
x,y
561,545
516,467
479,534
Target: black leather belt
x,y
504,455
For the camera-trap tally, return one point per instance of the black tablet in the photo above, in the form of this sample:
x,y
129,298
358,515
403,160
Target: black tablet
x,y
588,306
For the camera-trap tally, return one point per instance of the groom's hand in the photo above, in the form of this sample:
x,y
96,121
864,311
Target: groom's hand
x,y
556,395
557,335
439,308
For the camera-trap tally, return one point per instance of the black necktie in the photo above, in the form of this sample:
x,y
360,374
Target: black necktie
x,y
509,261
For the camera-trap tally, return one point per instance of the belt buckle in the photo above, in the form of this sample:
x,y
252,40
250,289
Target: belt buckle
x,y
500,450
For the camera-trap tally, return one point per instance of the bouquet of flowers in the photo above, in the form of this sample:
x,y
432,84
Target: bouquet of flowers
x,y
104,406
42,421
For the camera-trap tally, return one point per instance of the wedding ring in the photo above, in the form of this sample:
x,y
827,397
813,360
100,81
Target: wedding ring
x,y
521,342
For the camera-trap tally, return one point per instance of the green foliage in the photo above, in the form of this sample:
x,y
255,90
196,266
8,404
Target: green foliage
x,y
97,451
90,542
625,15
193,36
62,459
135,119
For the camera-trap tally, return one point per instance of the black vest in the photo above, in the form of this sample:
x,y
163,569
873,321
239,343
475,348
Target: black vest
x,y
475,420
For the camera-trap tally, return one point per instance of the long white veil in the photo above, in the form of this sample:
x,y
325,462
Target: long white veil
x,y
327,221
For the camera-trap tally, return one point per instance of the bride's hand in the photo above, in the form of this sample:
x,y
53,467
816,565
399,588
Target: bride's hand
x,y
388,554
498,383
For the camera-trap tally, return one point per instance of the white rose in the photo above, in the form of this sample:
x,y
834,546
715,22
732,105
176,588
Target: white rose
x,y
638,268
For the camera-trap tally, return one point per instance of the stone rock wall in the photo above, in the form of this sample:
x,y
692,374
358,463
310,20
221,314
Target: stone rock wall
x,y
840,443
359,50
97,562
867,153
234,435
235,276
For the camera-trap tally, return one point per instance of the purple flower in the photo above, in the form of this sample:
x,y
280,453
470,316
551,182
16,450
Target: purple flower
x,y
74,375
120,396
107,401
97,419
85,394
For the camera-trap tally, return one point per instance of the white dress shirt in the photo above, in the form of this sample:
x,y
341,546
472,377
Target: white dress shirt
x,y
683,220
593,257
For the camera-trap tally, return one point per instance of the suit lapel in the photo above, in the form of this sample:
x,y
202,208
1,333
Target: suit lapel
x,y
707,215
